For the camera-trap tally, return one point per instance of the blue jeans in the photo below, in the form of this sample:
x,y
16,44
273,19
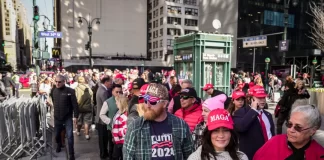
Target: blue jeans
x,y
59,126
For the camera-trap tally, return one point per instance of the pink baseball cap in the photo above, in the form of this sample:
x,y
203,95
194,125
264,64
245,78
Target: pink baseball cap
x,y
219,118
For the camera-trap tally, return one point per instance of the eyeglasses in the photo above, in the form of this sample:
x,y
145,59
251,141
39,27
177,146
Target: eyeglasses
x,y
296,127
186,97
152,103
58,81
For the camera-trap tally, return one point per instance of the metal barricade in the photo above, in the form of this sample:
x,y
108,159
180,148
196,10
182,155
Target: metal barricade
x,y
24,128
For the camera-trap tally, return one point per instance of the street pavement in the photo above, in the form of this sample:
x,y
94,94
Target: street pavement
x,y
89,149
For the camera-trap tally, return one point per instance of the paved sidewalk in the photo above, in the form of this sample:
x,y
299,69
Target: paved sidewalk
x,y
84,149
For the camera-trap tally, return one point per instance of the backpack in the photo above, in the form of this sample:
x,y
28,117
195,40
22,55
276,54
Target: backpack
x,y
85,104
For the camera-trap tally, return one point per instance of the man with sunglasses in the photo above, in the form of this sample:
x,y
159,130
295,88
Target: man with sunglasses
x,y
107,113
191,108
65,107
132,104
158,135
254,125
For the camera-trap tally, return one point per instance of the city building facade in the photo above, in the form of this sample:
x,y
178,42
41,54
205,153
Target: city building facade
x,y
168,19
122,31
15,34
227,14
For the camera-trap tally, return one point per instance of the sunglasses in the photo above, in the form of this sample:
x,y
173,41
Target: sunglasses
x,y
186,97
296,127
58,81
152,103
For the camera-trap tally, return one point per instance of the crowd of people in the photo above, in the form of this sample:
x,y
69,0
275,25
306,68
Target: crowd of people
x,y
154,116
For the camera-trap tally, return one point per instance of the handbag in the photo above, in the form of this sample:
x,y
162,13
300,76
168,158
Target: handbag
x,y
277,110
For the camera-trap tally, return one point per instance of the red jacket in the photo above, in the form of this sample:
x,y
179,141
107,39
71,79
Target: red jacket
x,y
277,148
192,116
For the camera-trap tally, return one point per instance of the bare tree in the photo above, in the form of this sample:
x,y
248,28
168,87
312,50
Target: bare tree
x,y
317,32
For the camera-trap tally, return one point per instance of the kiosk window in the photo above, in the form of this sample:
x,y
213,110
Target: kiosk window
x,y
208,76
219,76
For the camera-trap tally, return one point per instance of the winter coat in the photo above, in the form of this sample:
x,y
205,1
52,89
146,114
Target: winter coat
x,y
192,116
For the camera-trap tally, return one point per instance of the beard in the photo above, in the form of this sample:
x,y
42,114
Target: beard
x,y
150,114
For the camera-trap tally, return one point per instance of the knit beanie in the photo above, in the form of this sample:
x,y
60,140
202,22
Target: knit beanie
x,y
215,102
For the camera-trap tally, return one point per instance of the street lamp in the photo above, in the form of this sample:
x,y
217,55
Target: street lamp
x,y
267,61
286,17
88,45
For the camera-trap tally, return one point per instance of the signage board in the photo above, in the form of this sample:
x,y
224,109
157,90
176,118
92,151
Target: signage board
x,y
283,46
56,52
257,41
184,57
212,57
48,34
317,52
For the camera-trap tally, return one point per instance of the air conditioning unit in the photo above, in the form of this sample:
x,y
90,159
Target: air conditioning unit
x,y
160,35
175,23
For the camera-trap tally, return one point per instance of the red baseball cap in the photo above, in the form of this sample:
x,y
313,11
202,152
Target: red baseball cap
x,y
238,94
143,89
219,118
120,76
208,86
130,86
257,91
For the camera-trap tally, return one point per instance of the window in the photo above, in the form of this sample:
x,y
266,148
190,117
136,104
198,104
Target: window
x,y
191,11
175,1
191,22
157,33
161,32
161,43
169,43
155,13
161,21
150,6
161,54
161,10
7,33
149,16
156,23
149,26
174,9
155,3
190,2
173,31
190,31
174,20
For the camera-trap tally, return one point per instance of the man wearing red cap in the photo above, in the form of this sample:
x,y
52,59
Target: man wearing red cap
x,y
209,89
119,79
254,125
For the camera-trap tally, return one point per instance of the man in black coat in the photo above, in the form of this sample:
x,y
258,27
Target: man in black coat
x,y
210,90
103,93
65,107
254,125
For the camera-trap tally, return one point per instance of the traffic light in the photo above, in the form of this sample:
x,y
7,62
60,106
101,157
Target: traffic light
x,y
3,43
87,46
36,13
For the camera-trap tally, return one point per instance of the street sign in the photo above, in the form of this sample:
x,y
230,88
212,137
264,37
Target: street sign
x,y
212,57
284,46
56,52
184,57
48,34
257,41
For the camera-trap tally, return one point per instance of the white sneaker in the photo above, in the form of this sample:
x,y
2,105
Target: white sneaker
x,y
78,133
87,137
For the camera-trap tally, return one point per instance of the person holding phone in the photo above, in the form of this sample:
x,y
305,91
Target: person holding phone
x,y
254,125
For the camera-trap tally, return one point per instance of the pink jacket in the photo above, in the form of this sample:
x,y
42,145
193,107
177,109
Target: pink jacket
x,y
277,148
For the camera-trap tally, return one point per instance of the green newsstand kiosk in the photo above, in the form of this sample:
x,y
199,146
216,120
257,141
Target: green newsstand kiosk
x,y
204,58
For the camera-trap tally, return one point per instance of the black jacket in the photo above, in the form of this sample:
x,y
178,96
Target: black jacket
x,y
65,103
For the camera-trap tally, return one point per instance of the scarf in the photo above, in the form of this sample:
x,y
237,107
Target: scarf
x,y
298,154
